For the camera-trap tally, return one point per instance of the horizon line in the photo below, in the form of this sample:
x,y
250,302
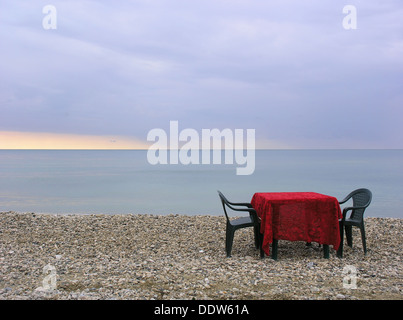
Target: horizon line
x,y
199,149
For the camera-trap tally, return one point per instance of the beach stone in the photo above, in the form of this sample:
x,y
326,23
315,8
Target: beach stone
x,y
141,256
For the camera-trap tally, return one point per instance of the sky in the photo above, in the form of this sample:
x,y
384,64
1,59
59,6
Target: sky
x,y
102,74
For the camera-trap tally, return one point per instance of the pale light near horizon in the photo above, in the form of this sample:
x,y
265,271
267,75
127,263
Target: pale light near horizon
x,y
43,140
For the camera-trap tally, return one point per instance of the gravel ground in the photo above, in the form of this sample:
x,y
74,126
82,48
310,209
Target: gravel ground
x,y
87,257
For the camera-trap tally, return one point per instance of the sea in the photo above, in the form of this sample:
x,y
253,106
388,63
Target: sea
x,y
124,182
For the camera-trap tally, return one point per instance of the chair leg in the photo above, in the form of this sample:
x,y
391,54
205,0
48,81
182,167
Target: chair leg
x,y
349,235
340,250
364,244
229,239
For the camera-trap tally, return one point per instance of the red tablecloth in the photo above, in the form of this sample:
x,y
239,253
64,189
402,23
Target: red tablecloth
x,y
298,216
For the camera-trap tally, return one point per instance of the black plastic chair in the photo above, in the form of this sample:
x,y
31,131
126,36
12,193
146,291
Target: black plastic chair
x,y
232,225
361,200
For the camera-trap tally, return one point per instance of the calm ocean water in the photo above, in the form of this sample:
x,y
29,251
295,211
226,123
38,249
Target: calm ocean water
x,y
87,182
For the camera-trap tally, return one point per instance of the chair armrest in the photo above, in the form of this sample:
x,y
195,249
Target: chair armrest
x,y
245,204
345,210
250,210
345,200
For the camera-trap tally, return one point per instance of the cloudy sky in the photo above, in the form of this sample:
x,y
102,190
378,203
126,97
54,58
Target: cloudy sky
x,y
112,71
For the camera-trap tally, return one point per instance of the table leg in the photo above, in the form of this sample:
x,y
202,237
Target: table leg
x,y
326,251
261,237
274,249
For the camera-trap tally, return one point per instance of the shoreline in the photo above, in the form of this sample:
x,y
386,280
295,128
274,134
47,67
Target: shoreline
x,y
78,214
174,256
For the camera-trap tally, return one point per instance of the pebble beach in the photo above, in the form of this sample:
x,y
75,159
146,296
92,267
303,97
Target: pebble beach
x,y
161,257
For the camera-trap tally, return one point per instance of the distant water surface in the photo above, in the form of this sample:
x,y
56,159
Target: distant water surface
x,y
122,181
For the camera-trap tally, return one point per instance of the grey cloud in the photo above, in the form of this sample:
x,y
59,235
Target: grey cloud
x,y
286,68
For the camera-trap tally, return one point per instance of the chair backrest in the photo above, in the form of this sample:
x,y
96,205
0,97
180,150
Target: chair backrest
x,y
224,202
247,208
361,198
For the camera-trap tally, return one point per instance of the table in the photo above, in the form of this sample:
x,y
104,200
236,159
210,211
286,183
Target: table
x,y
298,216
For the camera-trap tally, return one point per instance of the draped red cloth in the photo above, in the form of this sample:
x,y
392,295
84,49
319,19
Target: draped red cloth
x,y
298,216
